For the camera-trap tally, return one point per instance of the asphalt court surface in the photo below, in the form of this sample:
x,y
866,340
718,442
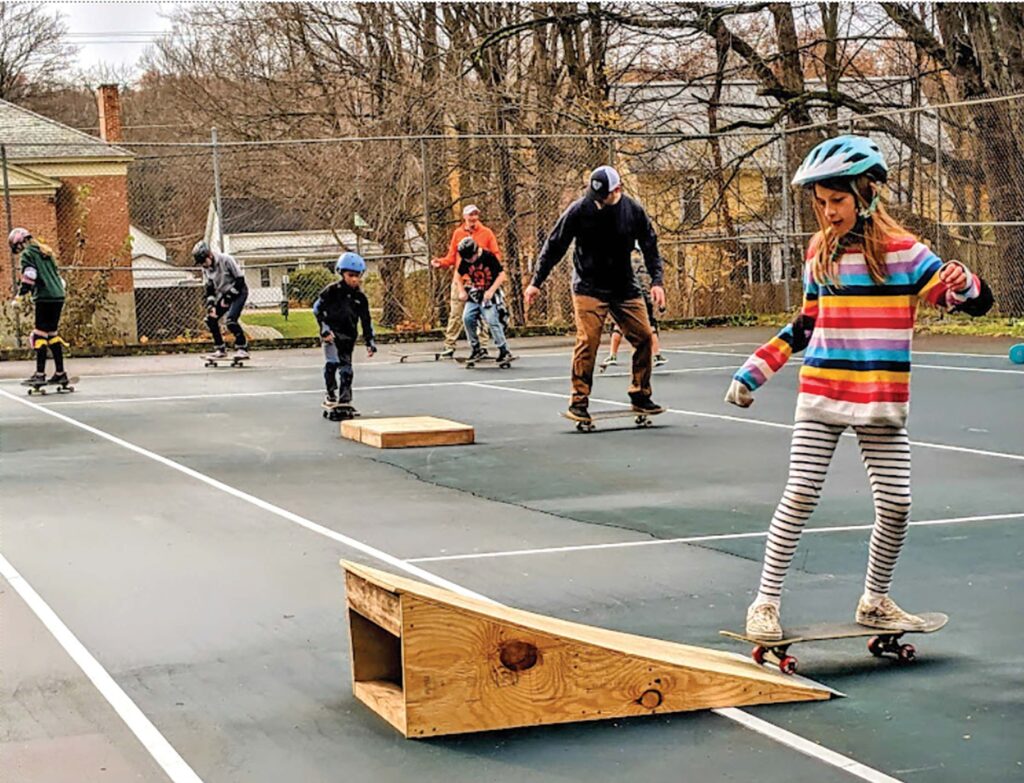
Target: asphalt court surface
x,y
189,542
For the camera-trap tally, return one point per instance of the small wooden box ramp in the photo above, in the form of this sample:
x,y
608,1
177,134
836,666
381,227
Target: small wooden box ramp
x,y
432,662
406,431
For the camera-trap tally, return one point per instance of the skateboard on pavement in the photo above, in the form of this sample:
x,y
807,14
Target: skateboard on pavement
x,y
642,420
471,363
339,411
882,641
216,361
66,387
422,356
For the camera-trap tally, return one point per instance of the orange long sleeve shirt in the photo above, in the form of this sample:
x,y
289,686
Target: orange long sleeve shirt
x,y
483,236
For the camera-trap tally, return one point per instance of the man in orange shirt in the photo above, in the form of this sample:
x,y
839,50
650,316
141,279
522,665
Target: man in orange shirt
x,y
485,240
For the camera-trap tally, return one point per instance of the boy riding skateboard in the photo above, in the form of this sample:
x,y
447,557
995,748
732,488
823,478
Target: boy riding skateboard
x,y
339,310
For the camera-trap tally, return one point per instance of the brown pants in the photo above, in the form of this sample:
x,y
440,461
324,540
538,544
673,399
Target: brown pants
x,y
454,329
631,316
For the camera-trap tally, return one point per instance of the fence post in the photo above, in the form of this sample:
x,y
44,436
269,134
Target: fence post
x,y
786,220
938,183
434,315
10,227
216,188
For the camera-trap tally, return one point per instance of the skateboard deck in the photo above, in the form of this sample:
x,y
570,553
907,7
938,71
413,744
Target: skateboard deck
x,y
62,388
470,364
216,361
642,420
881,641
338,411
422,356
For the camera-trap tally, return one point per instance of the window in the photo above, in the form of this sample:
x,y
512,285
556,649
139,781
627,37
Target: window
x,y
264,278
690,208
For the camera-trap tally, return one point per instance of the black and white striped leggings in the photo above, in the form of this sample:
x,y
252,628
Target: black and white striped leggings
x,y
885,451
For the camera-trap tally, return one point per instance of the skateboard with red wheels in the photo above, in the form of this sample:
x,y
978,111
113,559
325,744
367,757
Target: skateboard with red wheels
x,y
881,641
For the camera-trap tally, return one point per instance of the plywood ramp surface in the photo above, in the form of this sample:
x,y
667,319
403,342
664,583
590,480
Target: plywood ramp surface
x,y
459,664
407,431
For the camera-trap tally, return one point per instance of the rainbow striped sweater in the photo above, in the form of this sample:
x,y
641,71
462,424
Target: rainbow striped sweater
x,y
858,337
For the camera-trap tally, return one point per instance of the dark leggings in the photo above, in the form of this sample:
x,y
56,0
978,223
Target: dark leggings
x,y
234,312
46,334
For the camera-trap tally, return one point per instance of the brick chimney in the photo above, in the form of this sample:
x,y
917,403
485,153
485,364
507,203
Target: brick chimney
x,y
109,103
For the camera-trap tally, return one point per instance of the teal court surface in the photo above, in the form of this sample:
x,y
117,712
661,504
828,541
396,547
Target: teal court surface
x,y
171,606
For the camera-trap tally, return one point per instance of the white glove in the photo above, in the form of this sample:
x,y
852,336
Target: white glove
x,y
739,394
16,303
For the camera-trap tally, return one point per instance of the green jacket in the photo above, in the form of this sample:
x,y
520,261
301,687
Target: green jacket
x,y
43,279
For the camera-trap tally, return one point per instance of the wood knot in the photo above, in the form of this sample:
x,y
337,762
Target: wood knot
x,y
651,699
518,656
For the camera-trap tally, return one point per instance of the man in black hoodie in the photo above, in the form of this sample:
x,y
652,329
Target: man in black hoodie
x,y
606,225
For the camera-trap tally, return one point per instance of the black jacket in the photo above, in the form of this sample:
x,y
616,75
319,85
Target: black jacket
x,y
340,308
604,238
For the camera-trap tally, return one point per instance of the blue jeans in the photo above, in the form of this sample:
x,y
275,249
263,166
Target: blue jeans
x,y
472,314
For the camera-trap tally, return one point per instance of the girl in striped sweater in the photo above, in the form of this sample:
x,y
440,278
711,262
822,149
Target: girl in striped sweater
x,y
863,279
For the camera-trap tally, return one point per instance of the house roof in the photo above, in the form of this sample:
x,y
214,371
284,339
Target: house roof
x,y
262,216
31,136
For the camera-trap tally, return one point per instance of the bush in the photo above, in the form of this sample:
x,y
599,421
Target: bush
x,y
305,284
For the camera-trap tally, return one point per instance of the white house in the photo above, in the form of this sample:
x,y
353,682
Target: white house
x,y
150,267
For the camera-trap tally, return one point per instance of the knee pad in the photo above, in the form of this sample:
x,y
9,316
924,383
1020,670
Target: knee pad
x,y
39,339
56,339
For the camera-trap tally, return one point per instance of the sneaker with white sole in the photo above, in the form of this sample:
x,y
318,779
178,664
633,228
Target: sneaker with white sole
x,y
763,622
886,615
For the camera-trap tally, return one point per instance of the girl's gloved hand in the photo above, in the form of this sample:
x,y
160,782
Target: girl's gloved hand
x,y
739,394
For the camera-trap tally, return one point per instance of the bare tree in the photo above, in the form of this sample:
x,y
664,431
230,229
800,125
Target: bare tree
x,y
33,52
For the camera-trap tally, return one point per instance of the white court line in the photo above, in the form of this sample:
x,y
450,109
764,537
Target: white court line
x,y
764,423
776,733
63,399
549,550
152,740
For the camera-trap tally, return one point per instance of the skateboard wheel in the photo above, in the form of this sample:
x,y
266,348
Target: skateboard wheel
x,y
875,646
1017,353
787,665
907,653
758,654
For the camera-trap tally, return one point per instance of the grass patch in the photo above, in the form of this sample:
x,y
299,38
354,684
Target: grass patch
x,y
300,323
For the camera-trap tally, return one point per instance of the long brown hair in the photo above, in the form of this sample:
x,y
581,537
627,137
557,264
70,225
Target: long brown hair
x,y
871,233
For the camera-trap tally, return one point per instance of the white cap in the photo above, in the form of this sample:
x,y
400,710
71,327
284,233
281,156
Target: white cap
x,y
469,209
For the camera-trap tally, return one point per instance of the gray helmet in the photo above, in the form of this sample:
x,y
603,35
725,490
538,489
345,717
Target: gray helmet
x,y
467,248
200,251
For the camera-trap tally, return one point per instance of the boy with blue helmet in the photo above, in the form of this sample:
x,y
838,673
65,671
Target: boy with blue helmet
x,y
339,310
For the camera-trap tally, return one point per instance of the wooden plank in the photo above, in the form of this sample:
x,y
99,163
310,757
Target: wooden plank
x,y
470,665
374,602
408,431
384,698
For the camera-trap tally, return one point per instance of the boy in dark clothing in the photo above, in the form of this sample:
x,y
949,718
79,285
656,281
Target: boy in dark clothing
x,y
478,278
339,309
40,278
226,293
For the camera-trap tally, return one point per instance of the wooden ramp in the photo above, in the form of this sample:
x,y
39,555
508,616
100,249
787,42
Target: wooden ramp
x,y
433,662
406,431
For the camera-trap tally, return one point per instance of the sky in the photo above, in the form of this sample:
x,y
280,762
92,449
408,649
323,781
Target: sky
x,y
115,34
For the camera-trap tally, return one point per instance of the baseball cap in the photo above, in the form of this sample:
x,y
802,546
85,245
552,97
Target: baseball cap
x,y
603,180
469,209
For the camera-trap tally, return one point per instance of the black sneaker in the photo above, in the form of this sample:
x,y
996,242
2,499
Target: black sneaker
x,y
505,355
644,404
578,412
58,378
331,397
477,355
37,377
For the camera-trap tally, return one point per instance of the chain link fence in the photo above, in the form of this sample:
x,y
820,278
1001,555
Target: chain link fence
x,y
730,229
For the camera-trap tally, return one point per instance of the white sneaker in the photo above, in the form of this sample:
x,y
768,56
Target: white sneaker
x,y
241,353
219,353
763,622
886,615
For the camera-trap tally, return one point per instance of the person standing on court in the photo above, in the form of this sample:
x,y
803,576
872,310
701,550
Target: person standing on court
x,y
864,277
606,225
483,236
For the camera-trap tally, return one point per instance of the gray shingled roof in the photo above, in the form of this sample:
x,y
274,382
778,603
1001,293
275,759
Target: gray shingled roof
x,y
260,216
31,136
